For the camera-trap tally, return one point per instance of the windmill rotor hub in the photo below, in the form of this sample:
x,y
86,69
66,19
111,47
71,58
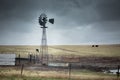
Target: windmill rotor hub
x,y
43,19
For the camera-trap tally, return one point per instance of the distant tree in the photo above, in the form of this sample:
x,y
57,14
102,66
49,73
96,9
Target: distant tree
x,y
92,45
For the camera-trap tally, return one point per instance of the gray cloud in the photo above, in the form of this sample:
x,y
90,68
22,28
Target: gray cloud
x,y
21,17
109,9
80,11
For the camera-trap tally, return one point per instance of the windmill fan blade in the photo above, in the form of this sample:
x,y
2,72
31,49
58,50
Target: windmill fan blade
x,y
51,20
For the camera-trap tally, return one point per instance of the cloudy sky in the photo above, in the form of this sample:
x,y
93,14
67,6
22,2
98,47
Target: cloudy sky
x,y
76,21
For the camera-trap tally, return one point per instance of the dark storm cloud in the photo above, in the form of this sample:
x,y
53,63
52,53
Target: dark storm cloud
x,y
13,16
78,11
99,10
82,12
109,9
21,16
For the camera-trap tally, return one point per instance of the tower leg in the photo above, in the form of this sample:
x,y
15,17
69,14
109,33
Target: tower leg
x,y
44,48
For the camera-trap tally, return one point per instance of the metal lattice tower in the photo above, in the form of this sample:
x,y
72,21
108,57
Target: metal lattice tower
x,y
44,46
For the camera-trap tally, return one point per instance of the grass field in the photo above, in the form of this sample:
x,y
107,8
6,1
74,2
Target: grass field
x,y
13,73
80,50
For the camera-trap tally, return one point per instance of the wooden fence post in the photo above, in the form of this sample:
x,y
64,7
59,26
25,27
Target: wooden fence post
x,y
22,69
118,73
19,59
69,71
34,59
30,58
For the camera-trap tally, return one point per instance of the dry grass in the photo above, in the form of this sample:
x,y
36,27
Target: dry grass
x,y
101,51
84,50
106,51
15,71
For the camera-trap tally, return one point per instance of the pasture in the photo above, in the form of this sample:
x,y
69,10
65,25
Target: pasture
x,y
14,73
79,50
87,62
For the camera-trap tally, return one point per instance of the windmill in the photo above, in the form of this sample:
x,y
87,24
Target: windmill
x,y
44,48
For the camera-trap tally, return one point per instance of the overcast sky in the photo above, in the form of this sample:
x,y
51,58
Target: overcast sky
x,y
76,21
